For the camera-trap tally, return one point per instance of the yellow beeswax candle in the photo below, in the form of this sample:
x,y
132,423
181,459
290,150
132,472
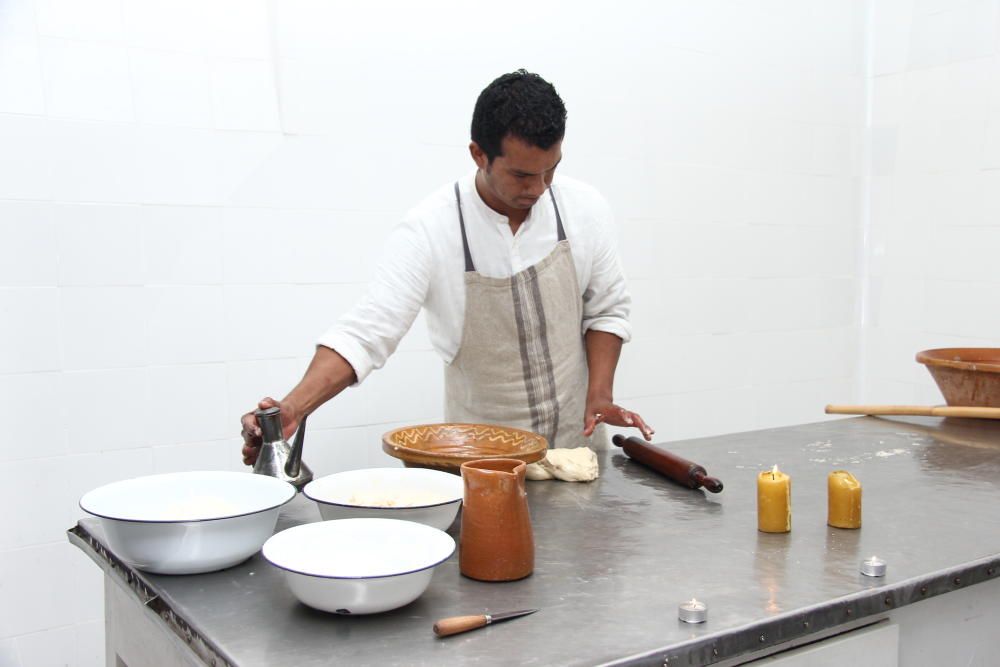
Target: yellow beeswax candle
x,y
844,500
774,501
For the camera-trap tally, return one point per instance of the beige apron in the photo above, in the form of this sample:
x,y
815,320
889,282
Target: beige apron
x,y
522,360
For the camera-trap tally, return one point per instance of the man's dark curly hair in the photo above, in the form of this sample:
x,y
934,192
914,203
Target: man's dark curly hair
x,y
521,104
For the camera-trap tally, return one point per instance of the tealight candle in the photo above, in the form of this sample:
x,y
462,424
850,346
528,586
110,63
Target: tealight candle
x,y
873,567
843,500
693,611
774,501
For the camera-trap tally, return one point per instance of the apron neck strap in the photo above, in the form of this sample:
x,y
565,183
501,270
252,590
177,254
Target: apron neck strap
x,y
469,266
560,232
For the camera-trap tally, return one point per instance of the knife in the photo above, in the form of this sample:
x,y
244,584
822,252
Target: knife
x,y
457,624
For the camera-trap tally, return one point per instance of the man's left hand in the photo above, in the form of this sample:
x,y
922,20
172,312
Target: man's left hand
x,y
609,413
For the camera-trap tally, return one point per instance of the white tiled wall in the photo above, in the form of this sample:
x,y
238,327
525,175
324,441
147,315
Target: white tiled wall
x,y
934,232
191,191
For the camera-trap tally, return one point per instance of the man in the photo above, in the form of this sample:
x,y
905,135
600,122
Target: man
x,y
526,301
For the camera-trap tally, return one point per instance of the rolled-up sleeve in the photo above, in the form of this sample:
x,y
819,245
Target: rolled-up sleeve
x,y
606,299
370,332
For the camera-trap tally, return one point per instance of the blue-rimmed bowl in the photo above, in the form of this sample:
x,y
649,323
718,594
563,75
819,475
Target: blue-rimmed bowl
x,y
430,497
358,566
188,522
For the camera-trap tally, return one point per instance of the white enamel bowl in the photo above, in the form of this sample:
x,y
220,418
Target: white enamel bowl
x,y
358,566
188,522
430,497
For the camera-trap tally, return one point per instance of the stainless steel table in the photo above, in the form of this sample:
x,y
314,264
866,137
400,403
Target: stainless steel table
x,y
615,557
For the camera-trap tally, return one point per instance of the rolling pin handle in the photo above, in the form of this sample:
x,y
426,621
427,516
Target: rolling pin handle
x,y
711,484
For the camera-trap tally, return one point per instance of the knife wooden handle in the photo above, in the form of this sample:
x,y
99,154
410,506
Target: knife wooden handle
x,y
918,410
456,624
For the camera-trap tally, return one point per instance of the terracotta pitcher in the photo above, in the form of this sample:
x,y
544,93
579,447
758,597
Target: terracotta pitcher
x,y
496,542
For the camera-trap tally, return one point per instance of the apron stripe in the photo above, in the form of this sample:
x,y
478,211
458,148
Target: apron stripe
x,y
522,339
536,360
546,373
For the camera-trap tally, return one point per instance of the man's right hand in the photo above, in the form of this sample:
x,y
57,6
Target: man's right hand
x,y
251,429
328,374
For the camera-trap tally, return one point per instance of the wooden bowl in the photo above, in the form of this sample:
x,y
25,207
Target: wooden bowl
x,y
448,446
968,376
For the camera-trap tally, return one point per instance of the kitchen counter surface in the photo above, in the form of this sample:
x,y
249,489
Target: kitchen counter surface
x,y
615,557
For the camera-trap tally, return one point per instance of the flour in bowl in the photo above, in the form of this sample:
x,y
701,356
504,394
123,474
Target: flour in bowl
x,y
396,498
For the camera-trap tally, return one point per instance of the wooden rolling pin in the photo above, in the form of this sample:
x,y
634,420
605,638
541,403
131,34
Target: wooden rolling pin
x,y
917,410
670,465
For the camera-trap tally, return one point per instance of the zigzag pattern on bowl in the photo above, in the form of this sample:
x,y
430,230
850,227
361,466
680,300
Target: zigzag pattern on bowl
x,y
464,439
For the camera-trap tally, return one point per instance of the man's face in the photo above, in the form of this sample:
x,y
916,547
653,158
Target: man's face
x,y
521,174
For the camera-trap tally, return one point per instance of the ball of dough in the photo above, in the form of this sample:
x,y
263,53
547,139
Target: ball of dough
x,y
536,472
578,464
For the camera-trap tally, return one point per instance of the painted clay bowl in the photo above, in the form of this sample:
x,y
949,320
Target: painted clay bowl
x,y
967,376
448,446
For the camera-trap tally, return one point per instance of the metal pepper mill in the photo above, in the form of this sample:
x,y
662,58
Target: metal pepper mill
x,y
277,458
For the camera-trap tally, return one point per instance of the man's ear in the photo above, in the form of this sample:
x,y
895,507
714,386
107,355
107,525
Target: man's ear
x,y
478,156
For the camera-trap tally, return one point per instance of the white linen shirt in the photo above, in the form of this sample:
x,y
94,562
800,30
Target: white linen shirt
x,y
423,266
